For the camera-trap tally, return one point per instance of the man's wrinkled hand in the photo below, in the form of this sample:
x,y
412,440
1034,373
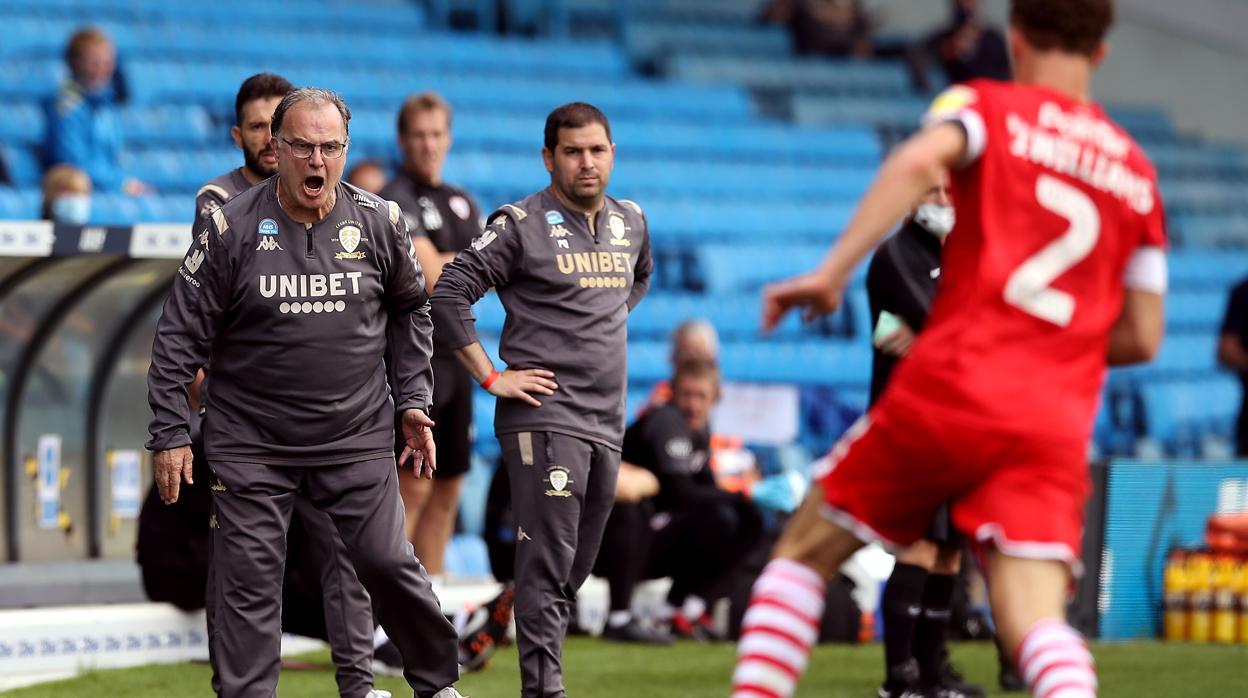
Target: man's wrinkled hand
x,y
170,468
418,443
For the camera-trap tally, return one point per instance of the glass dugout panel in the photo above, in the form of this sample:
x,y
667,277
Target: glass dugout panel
x,y
48,500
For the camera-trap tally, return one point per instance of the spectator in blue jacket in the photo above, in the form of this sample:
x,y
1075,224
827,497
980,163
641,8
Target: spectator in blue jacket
x,y
83,128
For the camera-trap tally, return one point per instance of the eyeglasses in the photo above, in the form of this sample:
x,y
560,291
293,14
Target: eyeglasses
x,y
303,150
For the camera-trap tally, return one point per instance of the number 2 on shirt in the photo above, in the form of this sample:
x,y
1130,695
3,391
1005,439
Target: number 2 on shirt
x,y
1028,287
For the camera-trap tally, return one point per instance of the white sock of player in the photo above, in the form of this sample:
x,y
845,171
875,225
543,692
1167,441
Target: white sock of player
x,y
664,611
779,628
380,637
693,607
617,619
1055,661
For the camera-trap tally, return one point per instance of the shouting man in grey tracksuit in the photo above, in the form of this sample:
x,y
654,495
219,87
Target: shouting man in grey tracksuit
x,y
304,299
347,609
569,263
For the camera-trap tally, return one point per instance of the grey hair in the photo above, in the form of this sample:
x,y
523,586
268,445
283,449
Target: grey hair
x,y
690,329
310,95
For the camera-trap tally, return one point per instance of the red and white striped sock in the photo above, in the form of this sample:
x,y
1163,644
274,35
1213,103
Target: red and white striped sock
x,y
1056,663
779,628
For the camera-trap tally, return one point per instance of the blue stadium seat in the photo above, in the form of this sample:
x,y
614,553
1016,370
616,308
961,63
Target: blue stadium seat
x,y
899,112
649,40
813,76
181,126
1211,230
468,556
1192,269
1199,311
20,204
800,362
1179,413
21,123
744,267
23,164
1145,124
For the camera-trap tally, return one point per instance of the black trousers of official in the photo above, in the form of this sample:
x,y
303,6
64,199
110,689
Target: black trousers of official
x,y
697,546
253,505
562,488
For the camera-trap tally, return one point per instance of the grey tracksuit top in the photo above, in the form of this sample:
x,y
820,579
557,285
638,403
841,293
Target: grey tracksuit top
x,y
567,281
302,323
216,192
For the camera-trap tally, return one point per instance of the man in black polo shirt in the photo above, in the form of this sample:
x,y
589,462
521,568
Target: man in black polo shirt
x,y
901,282
442,220
1233,354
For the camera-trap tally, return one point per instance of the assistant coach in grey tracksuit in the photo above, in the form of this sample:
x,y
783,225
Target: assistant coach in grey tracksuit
x,y
569,263
303,298
346,607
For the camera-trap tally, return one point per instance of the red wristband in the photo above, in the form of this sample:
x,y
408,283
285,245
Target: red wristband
x,y
489,380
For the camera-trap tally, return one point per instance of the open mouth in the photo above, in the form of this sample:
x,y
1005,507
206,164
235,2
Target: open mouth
x,y
313,186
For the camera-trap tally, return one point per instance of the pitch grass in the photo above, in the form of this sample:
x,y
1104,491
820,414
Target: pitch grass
x,y
598,669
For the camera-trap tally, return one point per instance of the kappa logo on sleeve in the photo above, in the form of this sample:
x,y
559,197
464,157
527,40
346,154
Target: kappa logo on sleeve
x,y
485,239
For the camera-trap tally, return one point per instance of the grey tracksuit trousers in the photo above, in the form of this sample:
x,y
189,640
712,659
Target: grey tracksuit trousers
x,y
562,490
347,607
253,505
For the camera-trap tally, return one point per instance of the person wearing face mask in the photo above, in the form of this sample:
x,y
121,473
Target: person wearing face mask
x,y
901,282
82,124
67,195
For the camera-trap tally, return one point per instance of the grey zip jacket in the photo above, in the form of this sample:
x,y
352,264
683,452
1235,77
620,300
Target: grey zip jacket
x,y
567,281
317,333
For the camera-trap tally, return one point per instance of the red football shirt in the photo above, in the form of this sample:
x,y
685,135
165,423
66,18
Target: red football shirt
x,y
1057,211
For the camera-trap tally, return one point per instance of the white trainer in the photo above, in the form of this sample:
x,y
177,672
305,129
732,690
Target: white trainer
x,y
377,693
449,692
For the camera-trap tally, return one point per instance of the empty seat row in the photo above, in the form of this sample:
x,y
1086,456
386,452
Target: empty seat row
x,y
492,129
746,267
399,17
522,91
897,112
1181,410
800,362
651,40
815,76
173,125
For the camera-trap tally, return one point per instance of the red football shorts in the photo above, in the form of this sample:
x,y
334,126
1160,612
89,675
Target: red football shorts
x,y
890,472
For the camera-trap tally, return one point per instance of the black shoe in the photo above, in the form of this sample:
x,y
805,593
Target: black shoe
x,y
900,692
902,681
1009,679
635,631
387,661
486,631
951,684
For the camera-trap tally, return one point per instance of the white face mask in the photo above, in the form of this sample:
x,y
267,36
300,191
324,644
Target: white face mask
x,y
936,219
74,209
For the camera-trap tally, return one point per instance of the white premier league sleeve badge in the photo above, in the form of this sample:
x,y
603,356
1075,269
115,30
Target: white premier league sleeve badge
x,y
557,475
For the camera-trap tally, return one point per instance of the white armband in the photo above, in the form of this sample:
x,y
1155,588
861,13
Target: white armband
x,y
1146,270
